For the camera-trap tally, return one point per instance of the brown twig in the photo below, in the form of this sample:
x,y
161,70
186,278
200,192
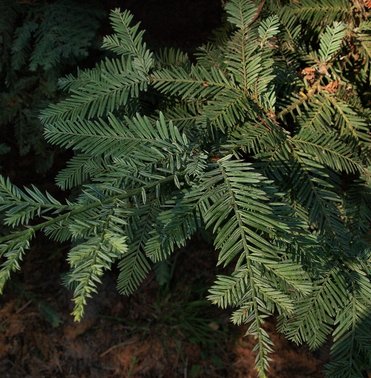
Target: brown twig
x,y
24,306
258,11
113,347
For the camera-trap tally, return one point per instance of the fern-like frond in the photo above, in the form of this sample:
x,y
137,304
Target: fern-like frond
x,y
238,192
173,227
241,12
364,39
357,205
21,207
197,84
89,259
294,104
328,150
88,224
128,41
184,116
46,38
12,252
317,13
318,117
261,139
79,169
264,90
238,290
228,291
136,138
171,57
239,210
349,122
22,39
312,320
134,264
350,352
225,111
101,93
211,55
134,267
317,193
243,58
268,28
330,41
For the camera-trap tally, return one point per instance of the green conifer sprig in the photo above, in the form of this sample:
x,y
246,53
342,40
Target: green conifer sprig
x,y
262,139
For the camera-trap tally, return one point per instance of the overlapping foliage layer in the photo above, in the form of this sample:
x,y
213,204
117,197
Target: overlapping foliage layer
x,y
39,42
264,140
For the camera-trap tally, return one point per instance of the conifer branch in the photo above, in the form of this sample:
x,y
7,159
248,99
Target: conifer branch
x,y
269,150
85,208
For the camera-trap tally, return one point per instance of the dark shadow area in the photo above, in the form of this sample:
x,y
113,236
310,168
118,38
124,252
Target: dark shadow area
x,y
175,23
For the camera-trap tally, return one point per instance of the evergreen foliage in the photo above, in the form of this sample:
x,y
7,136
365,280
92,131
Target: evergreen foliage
x,y
264,140
38,42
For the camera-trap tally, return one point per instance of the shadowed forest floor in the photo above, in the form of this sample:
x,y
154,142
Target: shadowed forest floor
x,y
157,332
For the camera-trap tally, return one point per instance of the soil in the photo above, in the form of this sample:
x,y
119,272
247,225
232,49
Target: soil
x,y
153,333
